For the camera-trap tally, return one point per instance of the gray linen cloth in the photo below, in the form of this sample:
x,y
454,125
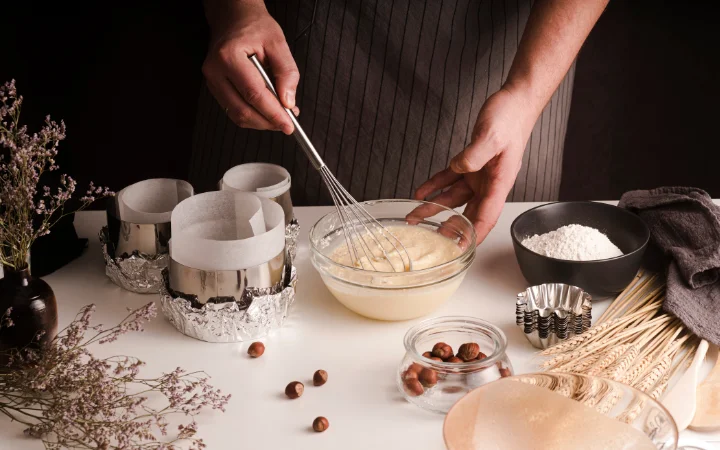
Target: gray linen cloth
x,y
685,224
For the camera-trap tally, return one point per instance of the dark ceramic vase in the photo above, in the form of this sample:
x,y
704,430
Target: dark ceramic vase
x,y
34,310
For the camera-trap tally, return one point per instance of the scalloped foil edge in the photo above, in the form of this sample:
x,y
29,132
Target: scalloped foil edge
x,y
292,231
227,322
137,273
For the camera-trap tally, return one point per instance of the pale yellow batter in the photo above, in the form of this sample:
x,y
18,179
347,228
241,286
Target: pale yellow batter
x,y
426,249
405,294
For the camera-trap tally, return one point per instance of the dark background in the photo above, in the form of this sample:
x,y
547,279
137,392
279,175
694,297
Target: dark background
x,y
125,78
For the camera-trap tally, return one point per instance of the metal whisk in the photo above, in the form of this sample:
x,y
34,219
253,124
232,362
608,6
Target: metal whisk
x,y
364,235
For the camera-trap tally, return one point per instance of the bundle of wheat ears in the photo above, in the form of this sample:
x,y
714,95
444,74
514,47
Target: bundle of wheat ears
x,y
634,342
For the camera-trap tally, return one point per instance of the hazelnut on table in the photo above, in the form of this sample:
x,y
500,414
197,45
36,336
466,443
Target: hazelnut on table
x,y
320,424
320,377
256,349
294,390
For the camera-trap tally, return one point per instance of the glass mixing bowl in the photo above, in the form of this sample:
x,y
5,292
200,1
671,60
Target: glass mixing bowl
x,y
561,411
450,381
394,295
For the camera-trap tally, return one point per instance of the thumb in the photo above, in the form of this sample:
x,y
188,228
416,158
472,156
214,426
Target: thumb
x,y
282,64
473,157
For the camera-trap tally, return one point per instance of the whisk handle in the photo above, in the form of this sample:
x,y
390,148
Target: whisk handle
x,y
298,133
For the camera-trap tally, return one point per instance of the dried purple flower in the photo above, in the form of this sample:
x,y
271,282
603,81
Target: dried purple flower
x,y
23,162
67,397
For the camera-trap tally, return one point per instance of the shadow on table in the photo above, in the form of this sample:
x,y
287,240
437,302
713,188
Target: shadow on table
x,y
500,269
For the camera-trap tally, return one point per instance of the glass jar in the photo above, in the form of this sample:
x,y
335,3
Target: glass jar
x,y
436,385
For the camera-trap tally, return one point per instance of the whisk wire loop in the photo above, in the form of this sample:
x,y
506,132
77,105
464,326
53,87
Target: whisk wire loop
x,y
353,216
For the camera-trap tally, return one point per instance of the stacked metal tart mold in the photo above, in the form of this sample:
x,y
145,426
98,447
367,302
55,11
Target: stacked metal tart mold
x,y
552,312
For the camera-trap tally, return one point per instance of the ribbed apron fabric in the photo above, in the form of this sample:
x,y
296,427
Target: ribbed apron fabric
x,y
389,92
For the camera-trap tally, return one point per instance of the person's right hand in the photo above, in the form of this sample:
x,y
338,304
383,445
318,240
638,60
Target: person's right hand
x,y
243,30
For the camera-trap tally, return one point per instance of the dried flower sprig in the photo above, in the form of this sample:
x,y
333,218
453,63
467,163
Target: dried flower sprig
x,y
24,158
68,398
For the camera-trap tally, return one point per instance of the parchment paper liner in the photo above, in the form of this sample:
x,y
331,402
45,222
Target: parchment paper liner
x,y
135,242
552,312
268,181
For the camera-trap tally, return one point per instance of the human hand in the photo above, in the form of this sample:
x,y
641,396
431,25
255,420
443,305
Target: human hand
x,y
484,172
239,31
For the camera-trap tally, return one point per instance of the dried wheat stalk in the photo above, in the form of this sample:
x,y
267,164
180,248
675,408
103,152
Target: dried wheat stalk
x,y
578,367
631,375
656,372
609,358
634,342
616,370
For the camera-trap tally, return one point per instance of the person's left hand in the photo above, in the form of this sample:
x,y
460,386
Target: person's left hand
x,y
484,172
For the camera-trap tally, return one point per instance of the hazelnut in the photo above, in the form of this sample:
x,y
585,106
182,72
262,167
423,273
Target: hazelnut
x,y
415,367
468,351
505,372
438,345
319,378
435,358
442,350
256,349
428,377
320,424
427,355
294,389
454,359
480,356
408,375
413,387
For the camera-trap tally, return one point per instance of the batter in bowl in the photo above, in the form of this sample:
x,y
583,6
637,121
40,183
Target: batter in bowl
x,y
401,294
426,248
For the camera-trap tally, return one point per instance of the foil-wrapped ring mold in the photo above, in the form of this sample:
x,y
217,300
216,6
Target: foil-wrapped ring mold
x,y
292,231
264,180
135,242
268,181
218,286
137,272
251,313
552,312
139,215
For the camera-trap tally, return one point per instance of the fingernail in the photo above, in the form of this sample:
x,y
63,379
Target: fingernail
x,y
296,111
290,99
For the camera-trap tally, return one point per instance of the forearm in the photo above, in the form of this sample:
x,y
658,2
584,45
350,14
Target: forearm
x,y
220,12
555,31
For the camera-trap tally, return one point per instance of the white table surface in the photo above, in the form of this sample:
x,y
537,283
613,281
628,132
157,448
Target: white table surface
x,y
360,400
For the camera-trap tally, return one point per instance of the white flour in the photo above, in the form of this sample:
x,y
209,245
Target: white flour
x,y
573,242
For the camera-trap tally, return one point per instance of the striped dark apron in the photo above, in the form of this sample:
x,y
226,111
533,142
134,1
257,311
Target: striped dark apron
x,y
389,92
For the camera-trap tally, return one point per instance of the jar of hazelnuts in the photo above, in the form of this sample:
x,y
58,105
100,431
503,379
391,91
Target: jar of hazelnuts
x,y
446,357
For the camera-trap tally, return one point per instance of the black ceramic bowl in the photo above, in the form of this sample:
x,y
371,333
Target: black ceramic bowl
x,y
601,278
